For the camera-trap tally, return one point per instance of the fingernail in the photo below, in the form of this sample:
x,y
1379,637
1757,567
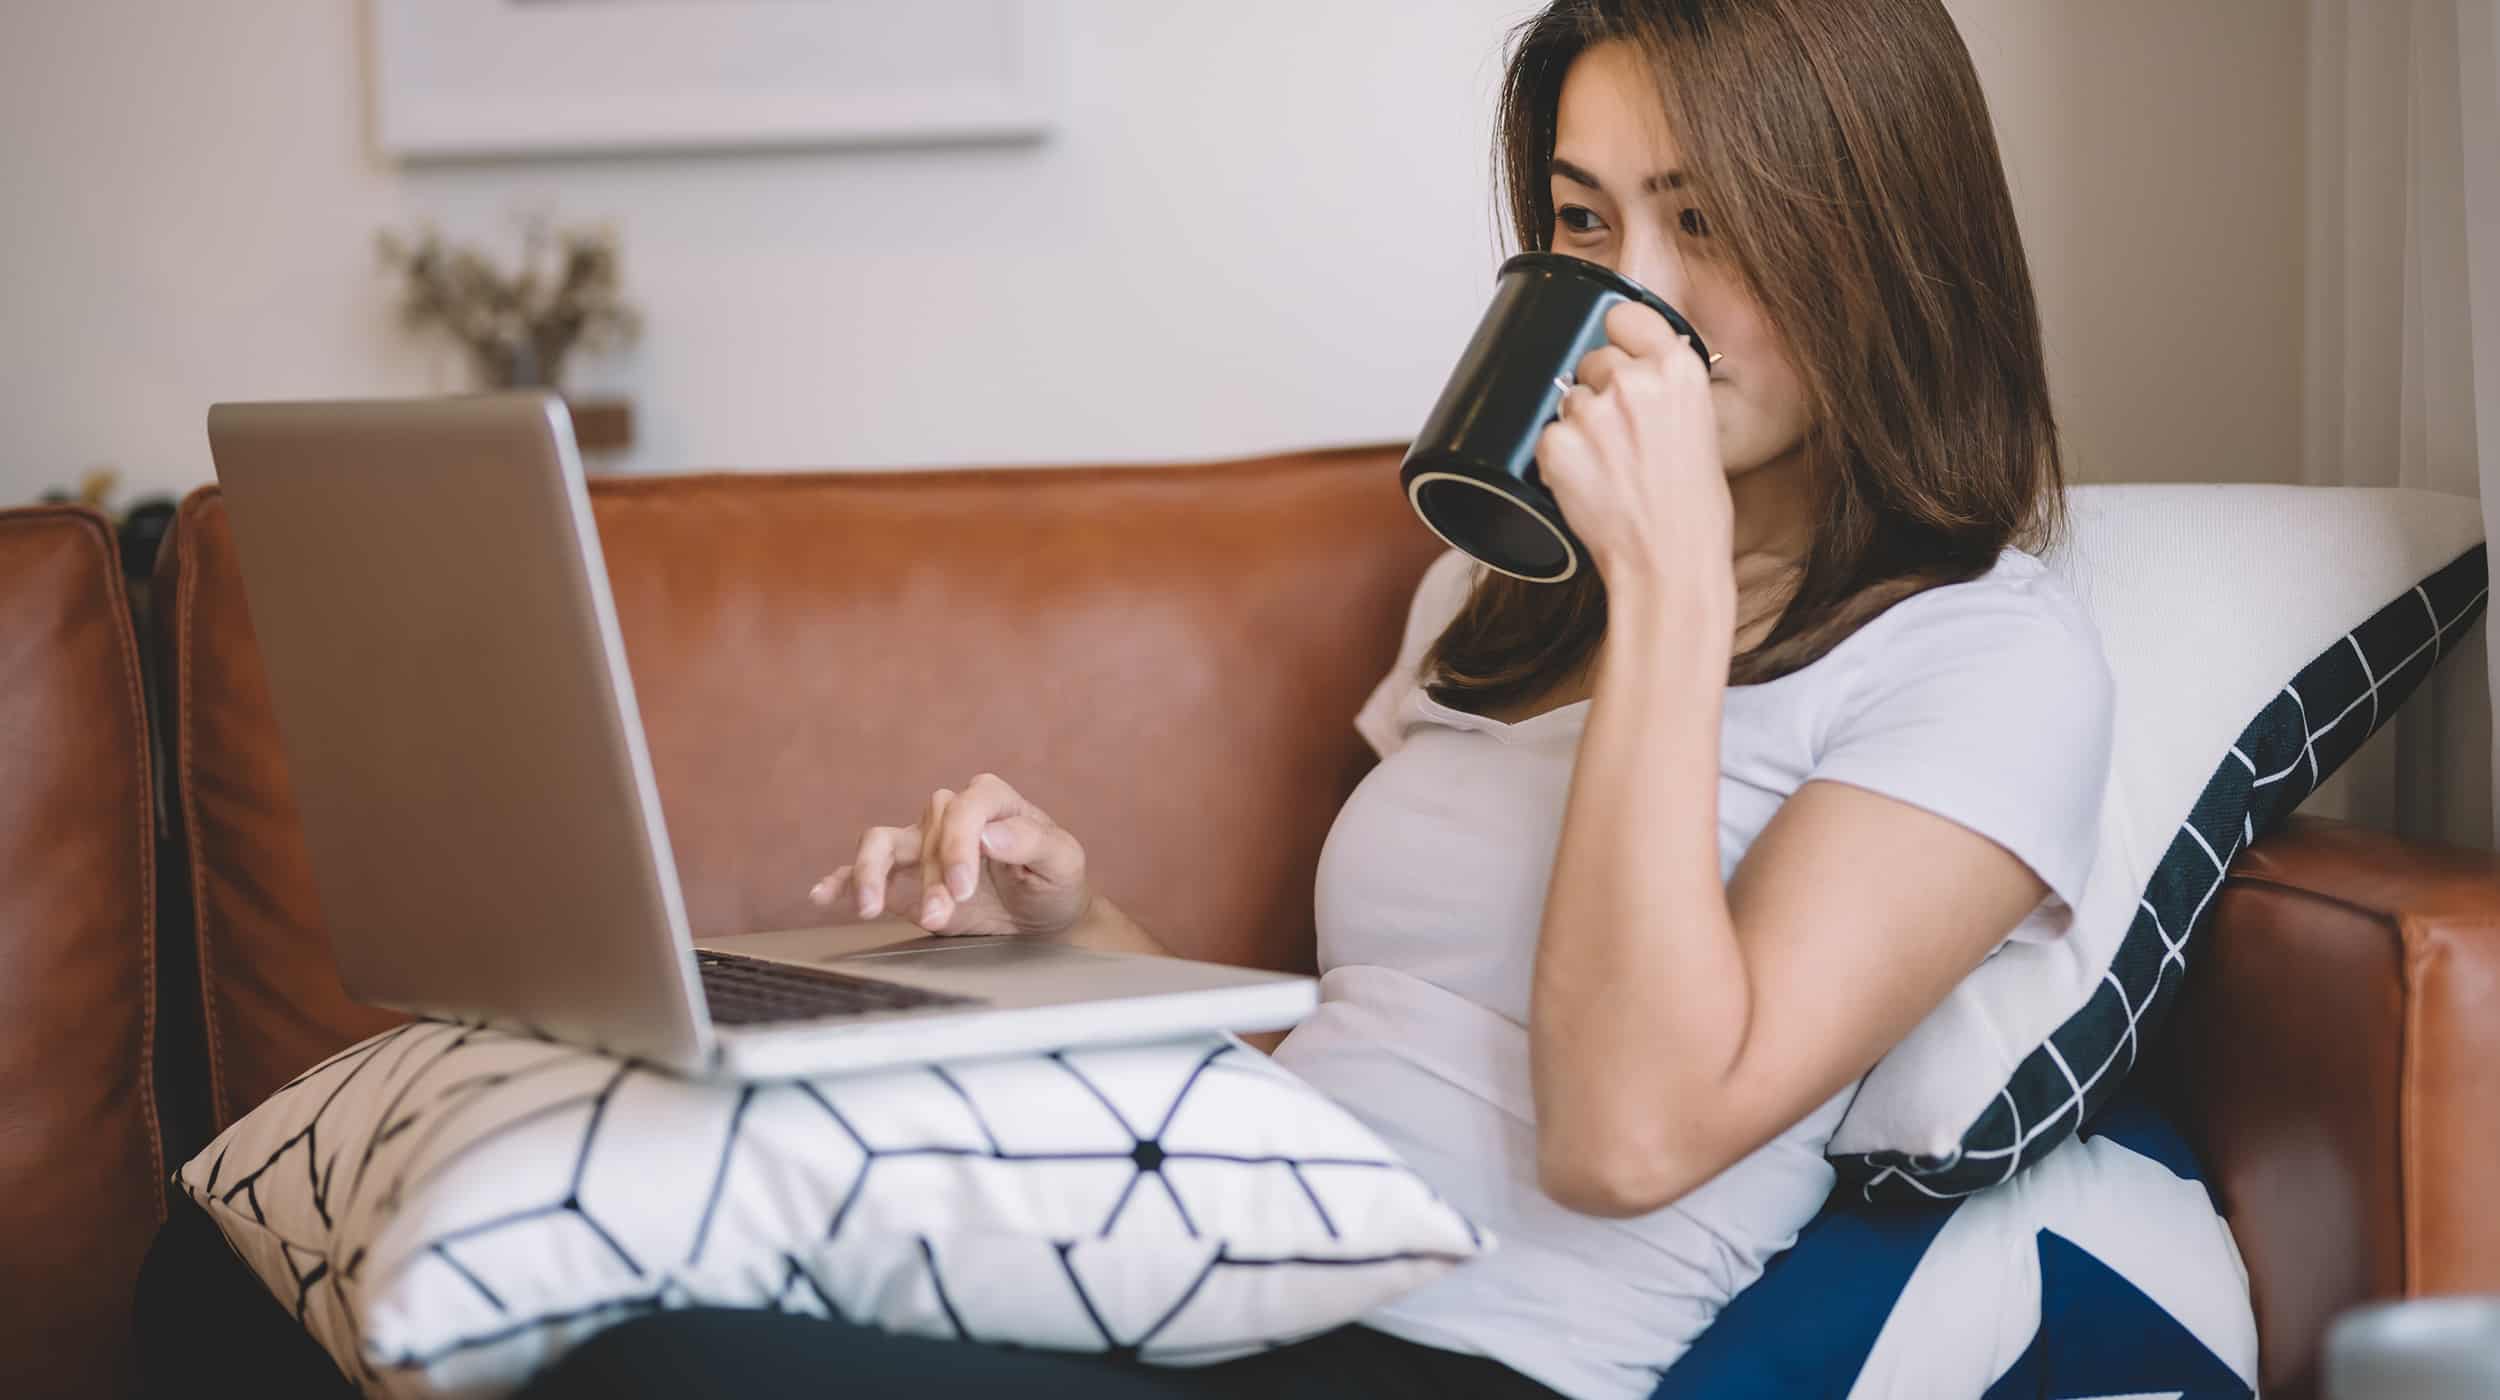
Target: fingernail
x,y
929,910
993,840
821,892
959,881
865,911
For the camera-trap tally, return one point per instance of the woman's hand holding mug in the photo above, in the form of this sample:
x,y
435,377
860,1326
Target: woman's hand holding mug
x,y
982,861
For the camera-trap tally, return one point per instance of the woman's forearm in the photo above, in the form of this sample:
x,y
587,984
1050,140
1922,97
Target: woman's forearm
x,y
1639,999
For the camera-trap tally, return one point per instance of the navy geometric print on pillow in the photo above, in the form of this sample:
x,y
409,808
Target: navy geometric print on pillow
x,y
2112,1235
2083,1304
2301,736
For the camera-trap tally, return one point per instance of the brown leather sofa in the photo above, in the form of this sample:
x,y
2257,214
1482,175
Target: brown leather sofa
x,y
81,1164
1169,661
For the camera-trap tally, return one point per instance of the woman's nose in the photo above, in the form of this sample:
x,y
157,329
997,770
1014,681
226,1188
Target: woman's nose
x,y
1659,267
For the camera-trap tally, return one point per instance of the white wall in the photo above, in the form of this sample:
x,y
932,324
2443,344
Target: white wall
x,y
2155,152
1259,226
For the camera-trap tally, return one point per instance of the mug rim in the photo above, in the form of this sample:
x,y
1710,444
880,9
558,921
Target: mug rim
x,y
1414,500
1546,260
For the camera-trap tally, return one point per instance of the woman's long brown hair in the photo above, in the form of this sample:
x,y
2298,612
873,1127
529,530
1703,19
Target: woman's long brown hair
x,y
1842,153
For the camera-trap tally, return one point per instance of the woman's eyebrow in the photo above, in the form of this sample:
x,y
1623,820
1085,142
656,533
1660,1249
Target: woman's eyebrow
x,y
1663,180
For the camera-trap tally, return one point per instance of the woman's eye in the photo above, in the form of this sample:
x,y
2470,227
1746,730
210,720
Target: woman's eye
x,y
1693,223
1577,219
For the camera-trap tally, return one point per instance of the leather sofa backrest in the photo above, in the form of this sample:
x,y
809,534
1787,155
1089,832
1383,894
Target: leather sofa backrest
x,y
81,1173
1166,659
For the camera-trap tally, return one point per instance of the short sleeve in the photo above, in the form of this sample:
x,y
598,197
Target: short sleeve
x,y
1992,706
1439,594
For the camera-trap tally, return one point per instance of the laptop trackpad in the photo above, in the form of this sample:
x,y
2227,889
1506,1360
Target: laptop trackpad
x,y
963,952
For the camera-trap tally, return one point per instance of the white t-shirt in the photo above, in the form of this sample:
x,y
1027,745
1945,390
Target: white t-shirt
x,y
1987,702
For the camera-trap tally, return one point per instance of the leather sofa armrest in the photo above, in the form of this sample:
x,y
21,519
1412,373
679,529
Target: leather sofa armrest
x,y
2338,1058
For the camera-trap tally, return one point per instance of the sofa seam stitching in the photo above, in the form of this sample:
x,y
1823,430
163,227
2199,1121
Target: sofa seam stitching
x,y
185,582
125,635
125,647
2408,1117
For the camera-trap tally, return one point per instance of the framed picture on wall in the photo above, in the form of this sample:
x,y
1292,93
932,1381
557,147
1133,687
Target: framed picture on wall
x,y
474,78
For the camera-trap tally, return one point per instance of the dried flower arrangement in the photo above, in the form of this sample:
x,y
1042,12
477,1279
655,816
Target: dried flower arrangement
x,y
518,328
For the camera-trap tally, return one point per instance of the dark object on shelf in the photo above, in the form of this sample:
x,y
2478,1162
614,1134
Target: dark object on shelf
x,y
602,425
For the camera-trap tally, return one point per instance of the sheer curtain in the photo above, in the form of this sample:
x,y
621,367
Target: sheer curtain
x,y
2402,345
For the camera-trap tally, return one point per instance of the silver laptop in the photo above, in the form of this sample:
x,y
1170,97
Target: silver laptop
x,y
452,697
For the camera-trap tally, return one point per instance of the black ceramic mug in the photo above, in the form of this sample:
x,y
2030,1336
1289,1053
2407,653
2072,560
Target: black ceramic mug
x,y
1471,473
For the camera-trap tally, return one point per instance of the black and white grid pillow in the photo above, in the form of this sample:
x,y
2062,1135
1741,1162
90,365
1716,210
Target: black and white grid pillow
x,y
447,1208
2306,731
2257,635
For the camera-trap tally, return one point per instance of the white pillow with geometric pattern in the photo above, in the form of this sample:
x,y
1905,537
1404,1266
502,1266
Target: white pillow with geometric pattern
x,y
448,1208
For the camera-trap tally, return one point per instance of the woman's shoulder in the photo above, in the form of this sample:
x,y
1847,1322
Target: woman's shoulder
x,y
2021,619
1989,701
2019,594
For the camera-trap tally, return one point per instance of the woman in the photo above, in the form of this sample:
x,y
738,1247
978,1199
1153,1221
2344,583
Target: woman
x,y
1664,859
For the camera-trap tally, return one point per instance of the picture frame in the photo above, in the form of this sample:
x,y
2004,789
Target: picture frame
x,y
456,79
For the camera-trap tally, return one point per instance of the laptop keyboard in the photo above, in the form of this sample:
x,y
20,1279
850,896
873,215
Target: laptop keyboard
x,y
755,991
